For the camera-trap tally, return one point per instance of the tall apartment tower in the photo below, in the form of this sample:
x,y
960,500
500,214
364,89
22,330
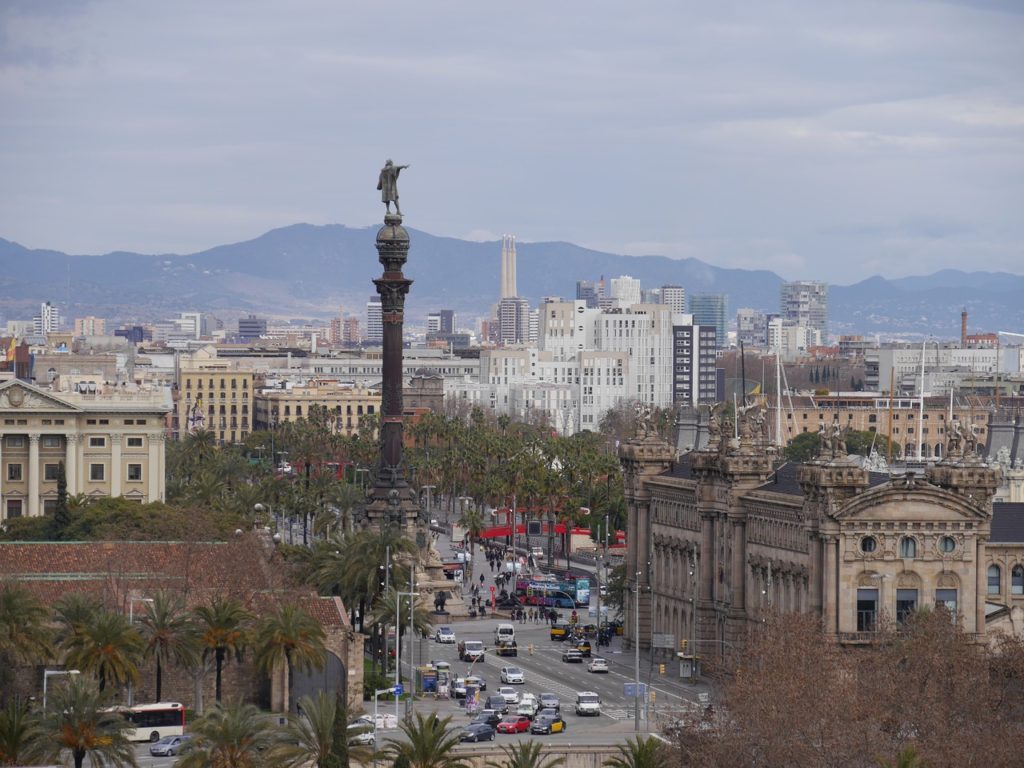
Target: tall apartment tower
x,y
47,321
514,320
805,302
675,297
709,309
626,290
508,267
374,321
590,291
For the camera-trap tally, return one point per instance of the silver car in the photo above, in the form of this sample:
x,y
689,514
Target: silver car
x,y
169,746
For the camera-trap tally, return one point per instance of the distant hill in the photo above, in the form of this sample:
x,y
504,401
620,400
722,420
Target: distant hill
x,y
308,271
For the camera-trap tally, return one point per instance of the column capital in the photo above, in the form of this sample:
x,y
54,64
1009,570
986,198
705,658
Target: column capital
x,y
72,437
156,437
33,437
115,436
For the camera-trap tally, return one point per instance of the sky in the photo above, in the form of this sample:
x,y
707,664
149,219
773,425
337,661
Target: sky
x,y
825,139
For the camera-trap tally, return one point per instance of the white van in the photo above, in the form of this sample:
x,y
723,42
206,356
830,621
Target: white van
x,y
588,703
505,633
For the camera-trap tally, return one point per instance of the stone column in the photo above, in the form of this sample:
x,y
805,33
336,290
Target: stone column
x,y
115,464
981,588
154,474
33,469
739,550
71,463
830,596
3,509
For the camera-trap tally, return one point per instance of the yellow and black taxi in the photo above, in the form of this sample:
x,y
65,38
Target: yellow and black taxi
x,y
548,723
560,630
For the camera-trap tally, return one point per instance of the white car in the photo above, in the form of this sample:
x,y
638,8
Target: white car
x,y
360,733
510,695
384,721
597,664
527,705
445,635
512,676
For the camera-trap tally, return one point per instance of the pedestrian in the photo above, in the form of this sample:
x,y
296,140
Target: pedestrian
x,y
481,579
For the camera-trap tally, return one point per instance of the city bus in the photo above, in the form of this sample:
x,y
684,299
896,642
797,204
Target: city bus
x,y
151,722
554,594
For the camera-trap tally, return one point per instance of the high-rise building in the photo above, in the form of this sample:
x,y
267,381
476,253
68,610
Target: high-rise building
x,y
709,309
752,327
514,320
590,291
694,349
433,322
675,297
447,321
805,302
251,327
90,326
626,290
508,267
374,321
350,331
47,321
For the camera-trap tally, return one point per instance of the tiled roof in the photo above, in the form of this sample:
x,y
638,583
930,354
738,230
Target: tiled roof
x,y
1007,523
244,568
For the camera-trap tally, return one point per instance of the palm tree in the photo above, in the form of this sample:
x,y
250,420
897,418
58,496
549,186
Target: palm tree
x,y
223,631
21,736
25,637
80,722
169,633
429,743
318,736
473,521
638,753
108,647
286,637
232,736
390,608
526,754
74,612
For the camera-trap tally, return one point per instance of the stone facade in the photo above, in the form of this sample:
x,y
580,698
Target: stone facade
x,y
111,443
719,537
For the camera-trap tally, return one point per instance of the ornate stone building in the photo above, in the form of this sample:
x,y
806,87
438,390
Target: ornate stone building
x,y
719,537
110,441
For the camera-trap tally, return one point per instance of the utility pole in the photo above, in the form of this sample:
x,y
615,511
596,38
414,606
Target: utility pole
x,y
636,652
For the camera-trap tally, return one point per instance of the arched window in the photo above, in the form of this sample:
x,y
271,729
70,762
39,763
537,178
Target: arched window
x,y
995,586
1017,580
908,547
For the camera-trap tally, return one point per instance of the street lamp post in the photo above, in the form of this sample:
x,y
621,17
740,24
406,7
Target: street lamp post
x,y
636,652
48,673
381,692
131,621
412,595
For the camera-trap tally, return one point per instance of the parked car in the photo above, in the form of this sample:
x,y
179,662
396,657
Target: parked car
x,y
361,734
511,695
477,732
514,724
444,635
169,746
588,703
572,656
550,701
548,724
597,664
512,676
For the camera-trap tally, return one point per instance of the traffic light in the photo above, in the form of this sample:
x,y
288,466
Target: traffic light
x,y
661,669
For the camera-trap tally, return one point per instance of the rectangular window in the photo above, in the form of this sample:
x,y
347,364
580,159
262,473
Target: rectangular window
x,y
14,472
97,442
96,473
50,472
49,506
135,472
129,421
51,441
947,598
906,604
134,442
16,441
14,508
867,610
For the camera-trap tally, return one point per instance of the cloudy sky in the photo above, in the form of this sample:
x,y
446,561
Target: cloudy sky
x,y
820,139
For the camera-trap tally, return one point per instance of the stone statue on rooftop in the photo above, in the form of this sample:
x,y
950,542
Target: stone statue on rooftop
x,y
387,183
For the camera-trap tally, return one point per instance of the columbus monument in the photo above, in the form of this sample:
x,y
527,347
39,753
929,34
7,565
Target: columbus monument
x,y
392,501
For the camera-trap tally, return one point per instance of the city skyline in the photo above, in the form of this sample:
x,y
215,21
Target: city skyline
x,y
818,141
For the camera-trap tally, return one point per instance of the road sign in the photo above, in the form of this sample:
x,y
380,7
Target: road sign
x,y
629,690
661,640
399,689
704,698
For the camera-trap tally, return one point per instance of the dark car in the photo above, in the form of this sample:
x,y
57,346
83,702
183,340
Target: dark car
x,y
497,703
477,732
544,723
488,716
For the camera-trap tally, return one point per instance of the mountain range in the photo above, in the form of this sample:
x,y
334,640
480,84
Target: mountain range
x,y
307,271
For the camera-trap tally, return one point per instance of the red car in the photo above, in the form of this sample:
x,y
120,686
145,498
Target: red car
x,y
514,725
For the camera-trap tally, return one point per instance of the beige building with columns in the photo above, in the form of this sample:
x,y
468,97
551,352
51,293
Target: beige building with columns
x,y
720,537
110,441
